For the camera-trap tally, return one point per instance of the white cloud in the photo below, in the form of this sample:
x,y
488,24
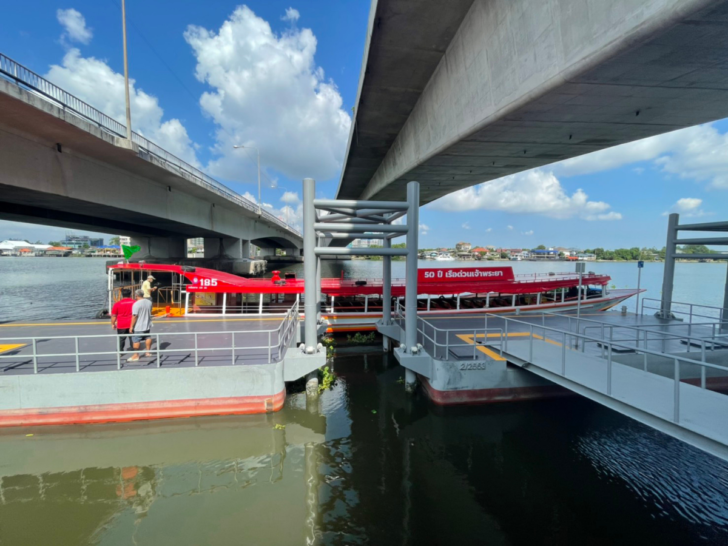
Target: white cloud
x,y
74,26
510,227
93,81
290,197
268,93
466,225
688,207
489,230
534,191
696,153
529,232
291,15
424,228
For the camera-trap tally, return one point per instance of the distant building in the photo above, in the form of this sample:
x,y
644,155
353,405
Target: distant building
x,y
587,257
81,241
479,250
11,247
539,254
123,240
463,247
366,243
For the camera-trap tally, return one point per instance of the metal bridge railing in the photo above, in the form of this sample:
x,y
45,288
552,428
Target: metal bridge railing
x,y
278,340
74,105
540,334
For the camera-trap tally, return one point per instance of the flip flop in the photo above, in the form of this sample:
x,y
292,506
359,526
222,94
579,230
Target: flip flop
x,y
149,355
132,359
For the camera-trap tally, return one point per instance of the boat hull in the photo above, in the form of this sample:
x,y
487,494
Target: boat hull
x,y
363,322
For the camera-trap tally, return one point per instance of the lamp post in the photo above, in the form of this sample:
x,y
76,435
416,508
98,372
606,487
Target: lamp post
x,y
126,72
257,150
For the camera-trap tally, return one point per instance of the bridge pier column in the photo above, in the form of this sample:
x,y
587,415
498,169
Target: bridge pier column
x,y
160,247
246,248
230,247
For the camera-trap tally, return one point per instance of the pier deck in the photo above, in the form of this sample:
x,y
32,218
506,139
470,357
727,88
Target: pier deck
x,y
258,340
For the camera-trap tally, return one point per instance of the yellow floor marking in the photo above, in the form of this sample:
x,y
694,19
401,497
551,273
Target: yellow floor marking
x,y
469,339
11,346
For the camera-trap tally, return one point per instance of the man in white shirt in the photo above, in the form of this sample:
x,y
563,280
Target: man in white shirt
x,y
141,324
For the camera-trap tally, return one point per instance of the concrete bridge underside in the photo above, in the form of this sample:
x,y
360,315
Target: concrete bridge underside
x,y
458,95
61,170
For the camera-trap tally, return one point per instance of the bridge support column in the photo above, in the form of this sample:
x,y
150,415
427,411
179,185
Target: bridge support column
x,y
160,247
668,278
230,247
246,248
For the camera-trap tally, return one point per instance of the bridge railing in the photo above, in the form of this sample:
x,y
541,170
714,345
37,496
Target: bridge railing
x,y
244,348
70,103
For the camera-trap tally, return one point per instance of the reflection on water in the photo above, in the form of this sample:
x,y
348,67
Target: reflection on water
x,y
366,464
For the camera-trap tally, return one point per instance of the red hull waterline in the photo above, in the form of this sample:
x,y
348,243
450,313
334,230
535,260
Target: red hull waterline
x,y
142,411
492,396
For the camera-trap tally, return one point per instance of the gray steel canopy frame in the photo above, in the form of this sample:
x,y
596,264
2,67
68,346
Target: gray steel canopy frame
x,y
346,219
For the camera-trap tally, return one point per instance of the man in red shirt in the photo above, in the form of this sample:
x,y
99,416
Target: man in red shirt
x,y
121,316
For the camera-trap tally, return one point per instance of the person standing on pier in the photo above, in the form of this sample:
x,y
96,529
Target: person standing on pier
x,y
148,288
121,316
141,324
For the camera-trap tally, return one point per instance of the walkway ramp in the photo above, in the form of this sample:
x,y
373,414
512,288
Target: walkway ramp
x,y
687,412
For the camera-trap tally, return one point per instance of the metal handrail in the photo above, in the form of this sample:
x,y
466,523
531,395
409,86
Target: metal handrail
x,y
284,333
610,345
399,315
47,90
722,311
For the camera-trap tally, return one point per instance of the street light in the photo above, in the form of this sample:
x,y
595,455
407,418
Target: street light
x,y
257,150
126,72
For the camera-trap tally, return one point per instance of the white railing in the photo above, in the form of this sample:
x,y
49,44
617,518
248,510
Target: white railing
x,y
278,340
568,338
693,312
438,342
70,103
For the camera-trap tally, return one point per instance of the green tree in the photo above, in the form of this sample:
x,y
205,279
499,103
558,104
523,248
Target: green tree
x,y
541,247
114,241
504,255
55,243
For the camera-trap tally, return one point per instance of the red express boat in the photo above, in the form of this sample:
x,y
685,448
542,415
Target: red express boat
x,y
356,304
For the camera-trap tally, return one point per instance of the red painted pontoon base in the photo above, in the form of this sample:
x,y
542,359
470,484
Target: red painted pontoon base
x,y
491,396
168,409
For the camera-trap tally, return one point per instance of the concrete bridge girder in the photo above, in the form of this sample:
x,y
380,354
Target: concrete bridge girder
x,y
515,84
59,169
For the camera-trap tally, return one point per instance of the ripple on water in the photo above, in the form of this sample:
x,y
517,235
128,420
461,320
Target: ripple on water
x,y
677,479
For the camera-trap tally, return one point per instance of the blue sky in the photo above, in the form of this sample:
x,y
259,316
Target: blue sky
x,y
283,77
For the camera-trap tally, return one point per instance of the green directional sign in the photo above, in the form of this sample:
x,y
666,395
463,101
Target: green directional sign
x,y
129,251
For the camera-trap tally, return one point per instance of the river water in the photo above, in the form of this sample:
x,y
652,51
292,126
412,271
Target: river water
x,y
366,464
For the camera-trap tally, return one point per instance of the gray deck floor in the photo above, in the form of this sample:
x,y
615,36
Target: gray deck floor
x,y
214,347
698,411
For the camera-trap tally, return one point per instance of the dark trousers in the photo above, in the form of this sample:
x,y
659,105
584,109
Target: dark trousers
x,y
122,340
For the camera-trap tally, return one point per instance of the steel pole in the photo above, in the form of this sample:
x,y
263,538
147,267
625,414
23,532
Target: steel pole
x,y
259,197
669,274
639,280
318,282
723,317
126,72
309,264
410,319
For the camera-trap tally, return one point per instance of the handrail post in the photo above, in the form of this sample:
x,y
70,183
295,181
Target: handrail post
x,y
506,343
609,371
159,363
35,356
475,341
677,391
530,347
233,349
78,364
269,349
197,360
563,354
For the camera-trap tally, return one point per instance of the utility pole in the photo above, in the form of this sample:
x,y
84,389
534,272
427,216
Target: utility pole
x,y
126,72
